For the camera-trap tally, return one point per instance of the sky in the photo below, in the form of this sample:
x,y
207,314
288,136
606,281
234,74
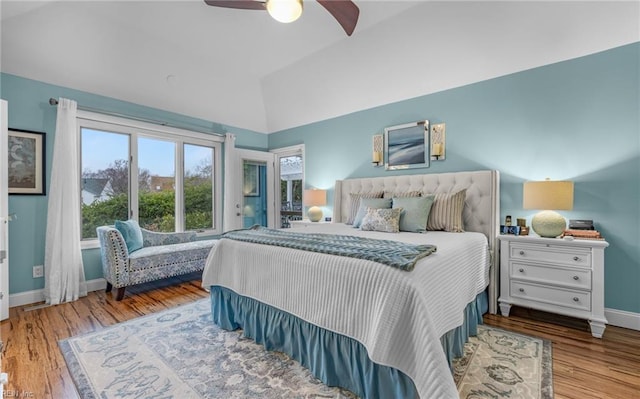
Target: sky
x,y
100,149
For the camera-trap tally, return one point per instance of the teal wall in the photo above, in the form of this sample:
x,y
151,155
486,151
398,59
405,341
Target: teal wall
x,y
29,109
576,120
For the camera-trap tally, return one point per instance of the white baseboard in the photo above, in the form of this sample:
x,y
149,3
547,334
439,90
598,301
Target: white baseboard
x,y
622,318
35,296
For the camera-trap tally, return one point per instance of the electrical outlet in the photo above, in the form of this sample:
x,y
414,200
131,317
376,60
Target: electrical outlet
x,y
38,271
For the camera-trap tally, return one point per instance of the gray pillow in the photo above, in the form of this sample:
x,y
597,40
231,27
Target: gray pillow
x,y
386,220
354,203
416,212
377,203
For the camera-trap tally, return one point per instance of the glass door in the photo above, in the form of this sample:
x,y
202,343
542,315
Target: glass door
x,y
257,207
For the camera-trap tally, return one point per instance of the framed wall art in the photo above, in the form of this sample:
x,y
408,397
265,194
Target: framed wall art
x,y
26,162
407,146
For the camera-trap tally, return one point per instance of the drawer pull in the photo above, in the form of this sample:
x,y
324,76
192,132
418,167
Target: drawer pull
x,y
576,258
576,299
576,278
521,290
521,252
521,270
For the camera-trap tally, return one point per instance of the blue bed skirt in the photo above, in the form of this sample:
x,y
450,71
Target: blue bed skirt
x,y
333,358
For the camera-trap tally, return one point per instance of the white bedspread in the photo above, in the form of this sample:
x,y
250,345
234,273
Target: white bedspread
x,y
398,316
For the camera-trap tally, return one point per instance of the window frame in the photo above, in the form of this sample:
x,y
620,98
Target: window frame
x,y
134,129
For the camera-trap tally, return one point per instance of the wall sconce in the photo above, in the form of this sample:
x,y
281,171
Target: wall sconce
x,y
438,142
377,157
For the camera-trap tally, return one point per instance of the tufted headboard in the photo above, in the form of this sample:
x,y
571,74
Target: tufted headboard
x,y
481,211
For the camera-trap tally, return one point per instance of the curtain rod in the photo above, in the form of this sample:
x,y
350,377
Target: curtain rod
x,y
54,102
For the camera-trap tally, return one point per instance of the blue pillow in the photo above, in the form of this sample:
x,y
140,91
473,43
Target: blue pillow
x,y
131,233
377,203
415,212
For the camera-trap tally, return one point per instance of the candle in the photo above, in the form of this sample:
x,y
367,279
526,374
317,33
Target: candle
x,y
437,149
377,157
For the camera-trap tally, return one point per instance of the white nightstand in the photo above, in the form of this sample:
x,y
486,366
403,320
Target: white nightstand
x,y
554,275
305,223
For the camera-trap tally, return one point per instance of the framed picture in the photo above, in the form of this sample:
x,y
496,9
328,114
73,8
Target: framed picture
x,y
26,162
407,146
251,186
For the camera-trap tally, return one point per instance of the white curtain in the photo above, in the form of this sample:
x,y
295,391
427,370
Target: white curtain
x,y
64,272
231,220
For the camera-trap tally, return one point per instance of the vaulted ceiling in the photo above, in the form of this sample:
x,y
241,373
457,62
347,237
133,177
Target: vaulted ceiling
x,y
244,69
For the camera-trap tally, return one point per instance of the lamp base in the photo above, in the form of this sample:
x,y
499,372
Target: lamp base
x,y
315,214
548,224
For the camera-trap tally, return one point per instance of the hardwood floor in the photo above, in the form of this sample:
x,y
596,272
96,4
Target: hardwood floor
x,y
583,367
30,354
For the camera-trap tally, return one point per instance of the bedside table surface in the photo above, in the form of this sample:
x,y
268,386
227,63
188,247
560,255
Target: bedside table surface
x,y
578,242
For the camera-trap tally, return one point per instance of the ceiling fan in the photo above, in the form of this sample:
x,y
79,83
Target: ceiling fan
x,y
344,11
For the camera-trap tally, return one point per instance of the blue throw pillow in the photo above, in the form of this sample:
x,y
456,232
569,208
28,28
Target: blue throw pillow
x,y
377,203
131,233
415,212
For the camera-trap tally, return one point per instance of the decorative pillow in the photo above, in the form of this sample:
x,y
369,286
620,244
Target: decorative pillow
x,y
354,204
416,212
378,203
446,212
404,194
131,233
387,220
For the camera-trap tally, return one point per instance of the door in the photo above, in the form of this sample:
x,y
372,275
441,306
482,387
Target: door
x,y
4,213
289,164
258,200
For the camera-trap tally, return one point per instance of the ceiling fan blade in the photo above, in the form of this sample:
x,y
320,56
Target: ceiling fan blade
x,y
241,4
344,11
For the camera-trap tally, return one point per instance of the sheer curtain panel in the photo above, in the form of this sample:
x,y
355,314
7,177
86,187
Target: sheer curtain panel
x,y
64,271
231,219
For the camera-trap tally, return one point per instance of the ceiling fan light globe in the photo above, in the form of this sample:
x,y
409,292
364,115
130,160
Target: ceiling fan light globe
x,y
284,11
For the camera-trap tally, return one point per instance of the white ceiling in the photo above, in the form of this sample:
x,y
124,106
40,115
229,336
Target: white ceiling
x,y
244,69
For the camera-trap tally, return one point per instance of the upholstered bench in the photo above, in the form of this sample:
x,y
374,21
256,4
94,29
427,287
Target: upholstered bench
x,y
160,256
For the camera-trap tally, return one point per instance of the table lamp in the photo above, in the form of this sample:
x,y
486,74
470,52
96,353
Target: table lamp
x,y
315,199
548,196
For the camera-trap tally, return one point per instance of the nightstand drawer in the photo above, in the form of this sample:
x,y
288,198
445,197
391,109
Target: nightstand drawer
x,y
552,254
568,277
551,295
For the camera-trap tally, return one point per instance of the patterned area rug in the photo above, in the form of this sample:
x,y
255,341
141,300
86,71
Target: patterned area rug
x,y
180,353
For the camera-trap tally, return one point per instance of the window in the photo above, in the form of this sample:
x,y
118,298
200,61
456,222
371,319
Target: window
x,y
174,188
156,184
105,179
198,187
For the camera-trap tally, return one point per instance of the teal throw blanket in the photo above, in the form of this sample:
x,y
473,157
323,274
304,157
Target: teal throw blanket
x,y
392,253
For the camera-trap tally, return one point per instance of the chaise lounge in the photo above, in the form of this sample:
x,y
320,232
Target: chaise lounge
x,y
132,255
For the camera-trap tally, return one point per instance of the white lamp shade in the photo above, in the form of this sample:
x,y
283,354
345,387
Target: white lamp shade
x,y
548,195
315,197
284,11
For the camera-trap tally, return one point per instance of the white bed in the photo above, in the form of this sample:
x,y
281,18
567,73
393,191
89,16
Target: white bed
x,y
398,316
